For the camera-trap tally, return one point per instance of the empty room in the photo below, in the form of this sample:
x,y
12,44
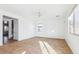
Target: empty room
x,y
39,29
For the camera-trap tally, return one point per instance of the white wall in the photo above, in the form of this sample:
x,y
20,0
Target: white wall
x,y
16,29
72,40
25,25
1,31
25,28
52,27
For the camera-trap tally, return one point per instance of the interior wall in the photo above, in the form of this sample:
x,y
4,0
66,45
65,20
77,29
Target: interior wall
x,y
51,27
26,28
1,30
15,29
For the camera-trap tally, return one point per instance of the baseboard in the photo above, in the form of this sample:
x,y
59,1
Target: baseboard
x,y
69,46
50,37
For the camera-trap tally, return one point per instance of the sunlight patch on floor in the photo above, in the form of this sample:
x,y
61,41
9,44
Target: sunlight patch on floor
x,y
43,49
46,48
49,48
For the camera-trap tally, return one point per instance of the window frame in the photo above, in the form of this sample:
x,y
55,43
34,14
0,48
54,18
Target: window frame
x,y
73,19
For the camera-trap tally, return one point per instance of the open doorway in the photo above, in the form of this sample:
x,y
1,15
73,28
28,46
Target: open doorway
x,y
10,29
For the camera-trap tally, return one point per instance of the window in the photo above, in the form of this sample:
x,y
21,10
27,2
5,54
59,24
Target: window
x,y
70,24
73,22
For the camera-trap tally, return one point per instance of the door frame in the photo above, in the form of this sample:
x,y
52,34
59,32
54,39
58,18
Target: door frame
x,y
16,27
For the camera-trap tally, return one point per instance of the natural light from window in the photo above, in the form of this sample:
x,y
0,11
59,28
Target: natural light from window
x,y
46,48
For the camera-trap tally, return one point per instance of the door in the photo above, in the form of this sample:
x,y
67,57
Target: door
x,y
5,31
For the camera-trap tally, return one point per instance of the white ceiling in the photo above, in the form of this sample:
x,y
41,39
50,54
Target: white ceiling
x,y
32,9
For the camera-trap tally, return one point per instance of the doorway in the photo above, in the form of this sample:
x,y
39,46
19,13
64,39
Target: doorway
x,y
10,29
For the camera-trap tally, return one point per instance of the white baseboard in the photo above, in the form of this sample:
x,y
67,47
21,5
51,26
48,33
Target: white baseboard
x,y
52,37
